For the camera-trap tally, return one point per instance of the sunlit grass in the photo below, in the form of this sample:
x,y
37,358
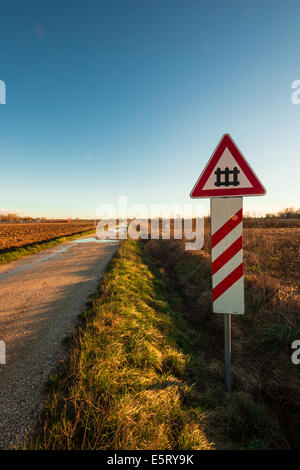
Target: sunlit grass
x,y
124,385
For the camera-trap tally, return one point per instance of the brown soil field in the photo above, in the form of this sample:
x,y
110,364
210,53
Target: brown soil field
x,y
16,235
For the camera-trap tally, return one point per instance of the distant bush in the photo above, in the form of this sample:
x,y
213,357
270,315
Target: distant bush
x,y
288,213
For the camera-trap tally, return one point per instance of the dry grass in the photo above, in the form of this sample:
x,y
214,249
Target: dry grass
x,y
262,367
252,222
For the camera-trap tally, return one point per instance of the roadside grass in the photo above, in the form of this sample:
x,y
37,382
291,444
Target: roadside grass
x,y
262,371
146,370
124,384
9,255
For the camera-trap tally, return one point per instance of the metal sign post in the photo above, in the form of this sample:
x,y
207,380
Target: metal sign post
x,y
225,179
227,317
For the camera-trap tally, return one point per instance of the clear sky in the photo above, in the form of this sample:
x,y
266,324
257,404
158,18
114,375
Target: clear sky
x,y
130,97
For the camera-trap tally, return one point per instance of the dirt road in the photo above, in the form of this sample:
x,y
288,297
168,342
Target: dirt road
x,y
40,299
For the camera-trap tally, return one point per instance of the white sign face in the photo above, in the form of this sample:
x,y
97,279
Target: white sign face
x,y
227,255
235,178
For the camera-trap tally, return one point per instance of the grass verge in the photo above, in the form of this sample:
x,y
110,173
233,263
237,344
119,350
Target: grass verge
x,y
144,373
263,409
7,256
123,385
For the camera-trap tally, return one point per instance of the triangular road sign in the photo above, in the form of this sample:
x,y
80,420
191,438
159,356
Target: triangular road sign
x,y
227,174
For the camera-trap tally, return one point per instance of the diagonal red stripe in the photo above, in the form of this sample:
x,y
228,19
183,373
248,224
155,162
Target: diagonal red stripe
x,y
226,228
228,282
227,255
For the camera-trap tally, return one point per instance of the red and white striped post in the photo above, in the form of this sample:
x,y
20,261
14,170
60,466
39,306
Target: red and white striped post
x,y
227,265
227,255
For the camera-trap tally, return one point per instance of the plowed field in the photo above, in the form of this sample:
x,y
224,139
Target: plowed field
x,y
16,235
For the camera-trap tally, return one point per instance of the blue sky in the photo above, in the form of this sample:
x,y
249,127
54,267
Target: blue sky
x,y
128,97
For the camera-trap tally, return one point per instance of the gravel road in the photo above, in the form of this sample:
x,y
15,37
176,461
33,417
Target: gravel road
x,y
40,299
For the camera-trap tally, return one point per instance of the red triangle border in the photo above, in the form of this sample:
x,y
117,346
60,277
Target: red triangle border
x,y
257,187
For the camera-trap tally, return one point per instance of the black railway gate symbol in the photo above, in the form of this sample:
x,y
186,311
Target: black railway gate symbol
x,y
227,173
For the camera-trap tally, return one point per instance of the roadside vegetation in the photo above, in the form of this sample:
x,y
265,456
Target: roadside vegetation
x,y
289,217
125,384
145,368
12,254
